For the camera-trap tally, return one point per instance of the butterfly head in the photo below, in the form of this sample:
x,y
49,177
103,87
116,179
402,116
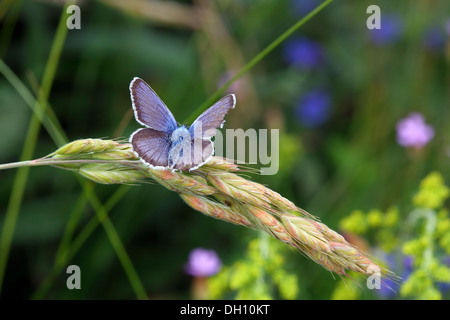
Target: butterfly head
x,y
180,134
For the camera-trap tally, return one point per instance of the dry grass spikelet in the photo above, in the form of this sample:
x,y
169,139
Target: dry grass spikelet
x,y
239,188
351,257
219,164
182,183
279,201
111,174
215,209
121,152
87,146
305,232
272,225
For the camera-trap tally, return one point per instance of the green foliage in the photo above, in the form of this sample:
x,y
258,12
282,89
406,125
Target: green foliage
x,y
380,225
346,290
355,222
421,286
429,244
260,274
423,236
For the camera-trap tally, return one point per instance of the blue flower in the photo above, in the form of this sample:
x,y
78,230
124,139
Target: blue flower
x,y
390,287
303,53
313,109
390,32
444,287
408,263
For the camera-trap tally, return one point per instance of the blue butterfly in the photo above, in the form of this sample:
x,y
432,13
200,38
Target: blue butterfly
x,y
165,145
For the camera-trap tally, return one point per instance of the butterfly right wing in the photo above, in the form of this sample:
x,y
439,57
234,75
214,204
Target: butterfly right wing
x,y
149,110
151,146
204,127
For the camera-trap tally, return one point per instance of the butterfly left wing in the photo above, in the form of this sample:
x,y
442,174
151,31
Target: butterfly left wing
x,y
151,146
149,109
204,127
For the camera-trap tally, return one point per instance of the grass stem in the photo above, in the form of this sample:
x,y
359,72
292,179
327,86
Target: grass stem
x,y
215,96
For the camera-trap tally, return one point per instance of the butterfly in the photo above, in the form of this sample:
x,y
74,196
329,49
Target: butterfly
x,y
163,144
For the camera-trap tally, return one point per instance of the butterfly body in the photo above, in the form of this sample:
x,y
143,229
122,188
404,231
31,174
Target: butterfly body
x,y
181,143
164,145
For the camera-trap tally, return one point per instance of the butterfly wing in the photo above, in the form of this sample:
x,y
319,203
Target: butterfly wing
x,y
213,118
151,146
149,110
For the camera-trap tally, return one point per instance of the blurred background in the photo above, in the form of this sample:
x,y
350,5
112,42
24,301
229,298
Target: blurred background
x,y
363,117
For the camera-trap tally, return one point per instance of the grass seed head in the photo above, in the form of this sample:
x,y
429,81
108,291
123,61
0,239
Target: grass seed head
x,y
216,190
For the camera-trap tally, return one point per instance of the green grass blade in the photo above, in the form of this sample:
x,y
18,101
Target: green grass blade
x,y
40,109
53,127
216,95
21,178
60,138
71,226
69,251
118,247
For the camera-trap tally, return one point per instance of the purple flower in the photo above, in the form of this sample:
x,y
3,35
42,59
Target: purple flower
x,y
412,131
302,7
313,108
203,263
303,53
391,30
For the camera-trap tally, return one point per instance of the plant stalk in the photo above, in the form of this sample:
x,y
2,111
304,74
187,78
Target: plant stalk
x,y
53,162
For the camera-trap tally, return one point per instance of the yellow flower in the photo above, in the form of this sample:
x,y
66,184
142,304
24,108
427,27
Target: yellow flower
x,y
355,222
433,192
